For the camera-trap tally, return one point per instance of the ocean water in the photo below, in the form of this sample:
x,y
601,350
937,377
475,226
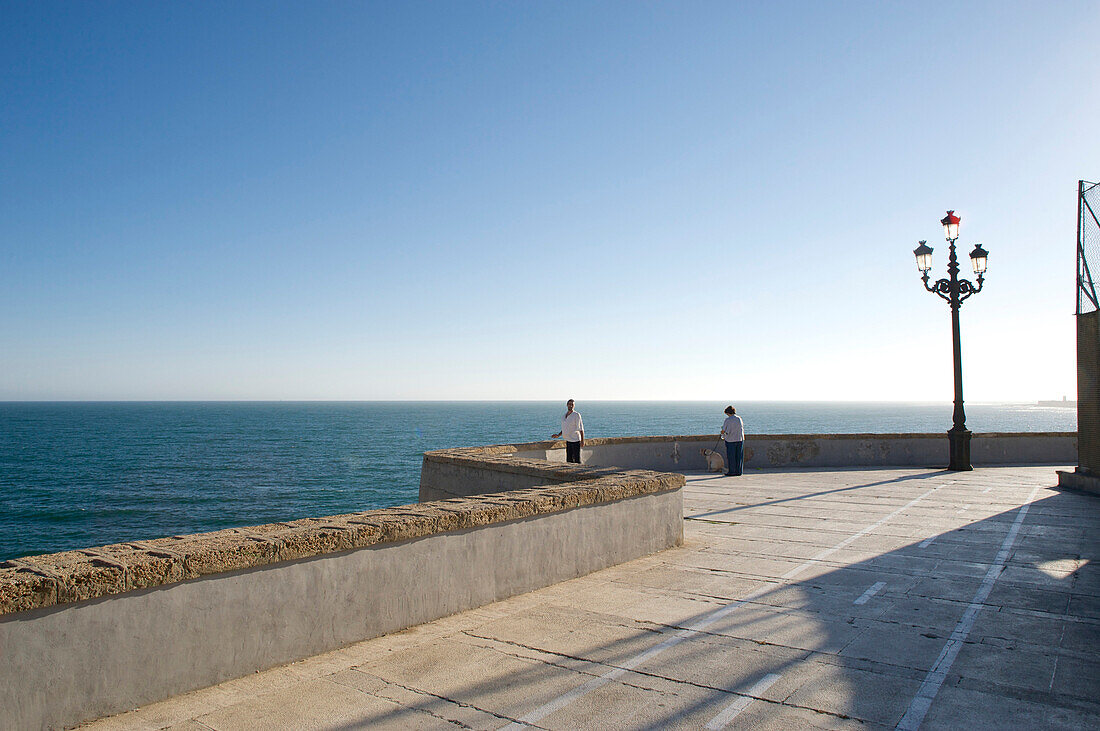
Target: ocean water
x,y
74,475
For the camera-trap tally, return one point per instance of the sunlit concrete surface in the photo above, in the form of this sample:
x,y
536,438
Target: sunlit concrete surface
x,y
869,598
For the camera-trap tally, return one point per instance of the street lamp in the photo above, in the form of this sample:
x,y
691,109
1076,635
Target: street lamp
x,y
954,291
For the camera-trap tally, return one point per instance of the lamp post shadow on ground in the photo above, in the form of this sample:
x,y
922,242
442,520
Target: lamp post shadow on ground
x,y
954,291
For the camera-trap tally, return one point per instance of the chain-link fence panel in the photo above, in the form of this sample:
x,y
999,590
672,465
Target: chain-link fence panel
x,y
1088,246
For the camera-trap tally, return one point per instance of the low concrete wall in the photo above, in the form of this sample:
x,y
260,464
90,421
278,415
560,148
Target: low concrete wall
x,y
1079,480
84,634
1039,448
464,473
682,453
452,473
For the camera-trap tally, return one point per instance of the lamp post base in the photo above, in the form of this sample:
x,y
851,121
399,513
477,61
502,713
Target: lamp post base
x,y
959,443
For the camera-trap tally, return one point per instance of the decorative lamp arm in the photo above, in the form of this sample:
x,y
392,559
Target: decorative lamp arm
x,y
967,289
942,287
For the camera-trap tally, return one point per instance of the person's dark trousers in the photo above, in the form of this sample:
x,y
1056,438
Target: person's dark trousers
x,y
735,458
573,452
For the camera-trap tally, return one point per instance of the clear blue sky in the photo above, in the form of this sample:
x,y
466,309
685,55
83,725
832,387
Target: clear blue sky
x,y
526,200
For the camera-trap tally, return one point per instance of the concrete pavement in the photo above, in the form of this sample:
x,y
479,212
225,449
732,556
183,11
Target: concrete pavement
x,y
892,598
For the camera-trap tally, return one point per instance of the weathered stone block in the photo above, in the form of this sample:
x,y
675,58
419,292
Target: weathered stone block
x,y
21,589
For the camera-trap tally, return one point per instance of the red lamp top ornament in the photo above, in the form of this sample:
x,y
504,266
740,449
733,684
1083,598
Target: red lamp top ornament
x,y
950,224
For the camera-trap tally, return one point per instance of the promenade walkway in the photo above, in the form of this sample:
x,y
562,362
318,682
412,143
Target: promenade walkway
x,y
861,598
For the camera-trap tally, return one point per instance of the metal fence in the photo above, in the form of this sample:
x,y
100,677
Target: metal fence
x,y
1088,245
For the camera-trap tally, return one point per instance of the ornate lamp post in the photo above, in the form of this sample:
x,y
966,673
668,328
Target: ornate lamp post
x,y
954,291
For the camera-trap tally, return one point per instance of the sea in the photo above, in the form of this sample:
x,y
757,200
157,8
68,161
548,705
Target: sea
x,y
80,474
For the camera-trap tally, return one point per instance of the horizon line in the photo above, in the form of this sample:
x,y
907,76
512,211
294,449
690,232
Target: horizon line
x,y
490,400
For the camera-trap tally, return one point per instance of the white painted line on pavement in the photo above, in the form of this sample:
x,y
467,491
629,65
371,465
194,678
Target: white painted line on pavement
x,y
730,712
694,628
875,588
935,677
926,542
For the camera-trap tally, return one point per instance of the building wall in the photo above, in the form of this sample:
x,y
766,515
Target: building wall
x,y
1088,393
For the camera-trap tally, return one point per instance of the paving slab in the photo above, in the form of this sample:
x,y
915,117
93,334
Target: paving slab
x,y
624,704
789,628
1077,677
1011,670
809,599
1082,632
962,708
870,697
941,615
319,704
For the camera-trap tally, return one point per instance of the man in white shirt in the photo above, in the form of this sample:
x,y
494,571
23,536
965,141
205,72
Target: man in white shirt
x,y
733,432
572,430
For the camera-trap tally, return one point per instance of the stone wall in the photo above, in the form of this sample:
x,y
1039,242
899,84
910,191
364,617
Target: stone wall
x,y
92,632
784,451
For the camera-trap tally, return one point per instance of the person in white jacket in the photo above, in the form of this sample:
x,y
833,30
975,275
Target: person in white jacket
x,y
733,432
572,430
